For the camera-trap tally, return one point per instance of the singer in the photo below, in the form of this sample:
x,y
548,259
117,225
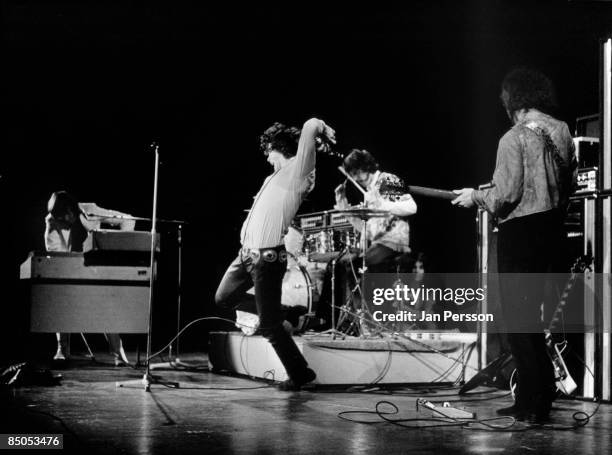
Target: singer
x,y
262,259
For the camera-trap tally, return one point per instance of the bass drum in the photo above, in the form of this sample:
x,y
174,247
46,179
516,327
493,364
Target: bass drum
x,y
297,290
294,239
297,286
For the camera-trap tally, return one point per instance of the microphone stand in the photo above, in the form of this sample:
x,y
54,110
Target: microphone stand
x,y
148,378
177,361
179,291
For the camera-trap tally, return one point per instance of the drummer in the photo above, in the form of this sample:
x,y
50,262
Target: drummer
x,y
388,237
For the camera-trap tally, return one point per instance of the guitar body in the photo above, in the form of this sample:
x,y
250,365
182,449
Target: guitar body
x,y
563,380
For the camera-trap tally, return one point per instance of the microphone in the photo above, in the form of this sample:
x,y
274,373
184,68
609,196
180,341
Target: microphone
x,y
324,145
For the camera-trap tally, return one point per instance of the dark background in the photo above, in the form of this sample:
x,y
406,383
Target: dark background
x,y
86,88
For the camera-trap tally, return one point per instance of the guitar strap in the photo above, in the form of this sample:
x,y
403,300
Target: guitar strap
x,y
561,168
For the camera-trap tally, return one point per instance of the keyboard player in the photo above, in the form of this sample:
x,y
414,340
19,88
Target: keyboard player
x,y
66,226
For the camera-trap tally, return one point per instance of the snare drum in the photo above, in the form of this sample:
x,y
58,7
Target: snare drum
x,y
327,244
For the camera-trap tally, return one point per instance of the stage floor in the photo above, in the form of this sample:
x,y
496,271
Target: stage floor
x,y
103,409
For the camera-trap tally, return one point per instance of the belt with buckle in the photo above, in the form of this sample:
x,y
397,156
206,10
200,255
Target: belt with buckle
x,y
267,254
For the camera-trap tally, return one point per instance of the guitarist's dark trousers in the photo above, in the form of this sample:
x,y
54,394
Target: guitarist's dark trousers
x,y
533,244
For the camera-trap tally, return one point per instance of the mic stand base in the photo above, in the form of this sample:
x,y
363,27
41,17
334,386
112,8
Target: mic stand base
x,y
148,379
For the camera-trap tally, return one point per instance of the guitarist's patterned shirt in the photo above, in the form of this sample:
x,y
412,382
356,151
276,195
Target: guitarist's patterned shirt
x,y
535,170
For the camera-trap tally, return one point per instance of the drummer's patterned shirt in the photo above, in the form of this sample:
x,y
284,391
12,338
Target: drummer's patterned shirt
x,y
392,231
281,195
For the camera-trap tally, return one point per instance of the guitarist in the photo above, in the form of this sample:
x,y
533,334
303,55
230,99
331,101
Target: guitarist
x,y
533,179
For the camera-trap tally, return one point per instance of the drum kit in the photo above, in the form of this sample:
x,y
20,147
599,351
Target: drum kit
x,y
309,252
324,238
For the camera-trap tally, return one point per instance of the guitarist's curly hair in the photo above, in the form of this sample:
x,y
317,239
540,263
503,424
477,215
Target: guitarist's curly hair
x,y
528,88
284,139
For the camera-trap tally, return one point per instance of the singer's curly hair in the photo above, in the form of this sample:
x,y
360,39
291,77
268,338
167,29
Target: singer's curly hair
x,y
281,138
360,160
528,88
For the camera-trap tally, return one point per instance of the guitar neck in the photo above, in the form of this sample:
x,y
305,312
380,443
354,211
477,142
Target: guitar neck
x,y
581,264
431,192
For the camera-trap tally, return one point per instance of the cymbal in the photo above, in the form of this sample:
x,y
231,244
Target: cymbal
x,y
364,213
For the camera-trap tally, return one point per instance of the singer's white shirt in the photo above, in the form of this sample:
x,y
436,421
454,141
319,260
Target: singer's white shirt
x,y
281,195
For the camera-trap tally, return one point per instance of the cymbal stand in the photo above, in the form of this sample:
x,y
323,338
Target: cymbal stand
x,y
363,307
333,299
357,320
334,330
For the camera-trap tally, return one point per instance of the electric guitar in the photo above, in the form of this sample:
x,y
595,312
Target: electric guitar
x,y
563,380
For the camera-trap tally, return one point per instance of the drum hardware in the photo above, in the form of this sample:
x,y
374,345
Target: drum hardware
x,y
333,294
364,214
334,331
330,245
299,286
327,237
353,316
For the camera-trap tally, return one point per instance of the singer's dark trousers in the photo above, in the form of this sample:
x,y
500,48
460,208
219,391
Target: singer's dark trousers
x,y
529,247
264,269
